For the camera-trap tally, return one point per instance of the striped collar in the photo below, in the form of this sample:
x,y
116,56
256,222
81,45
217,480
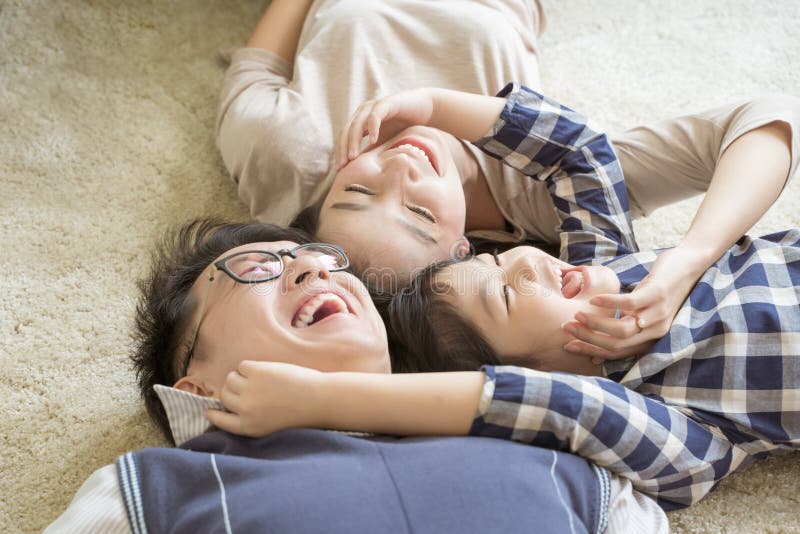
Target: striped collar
x,y
185,413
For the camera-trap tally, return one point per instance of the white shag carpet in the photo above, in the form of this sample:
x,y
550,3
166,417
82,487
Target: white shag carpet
x,y
106,136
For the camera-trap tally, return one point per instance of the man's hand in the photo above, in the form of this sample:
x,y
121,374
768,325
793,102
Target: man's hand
x,y
264,397
646,313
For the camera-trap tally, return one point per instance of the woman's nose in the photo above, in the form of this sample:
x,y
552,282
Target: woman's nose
x,y
305,268
400,170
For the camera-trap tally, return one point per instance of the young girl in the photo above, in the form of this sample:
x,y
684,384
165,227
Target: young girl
x,y
307,67
719,390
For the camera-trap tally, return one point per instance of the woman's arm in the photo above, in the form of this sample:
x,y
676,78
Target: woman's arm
x,y
666,454
279,29
732,205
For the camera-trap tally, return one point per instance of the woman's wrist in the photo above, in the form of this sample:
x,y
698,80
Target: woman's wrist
x,y
697,257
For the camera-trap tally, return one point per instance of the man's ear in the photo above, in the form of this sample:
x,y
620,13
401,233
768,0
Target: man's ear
x,y
461,248
192,384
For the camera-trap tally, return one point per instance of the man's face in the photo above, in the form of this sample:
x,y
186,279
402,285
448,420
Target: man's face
x,y
519,299
308,316
399,206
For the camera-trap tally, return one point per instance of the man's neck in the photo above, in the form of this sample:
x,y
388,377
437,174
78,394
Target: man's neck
x,y
482,210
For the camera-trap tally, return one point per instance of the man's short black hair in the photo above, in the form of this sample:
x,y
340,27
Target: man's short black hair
x,y
164,307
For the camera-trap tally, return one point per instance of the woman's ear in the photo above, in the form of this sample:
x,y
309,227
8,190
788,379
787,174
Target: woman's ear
x,y
461,248
194,385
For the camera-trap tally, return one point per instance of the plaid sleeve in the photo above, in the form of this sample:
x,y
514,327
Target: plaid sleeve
x,y
550,142
666,454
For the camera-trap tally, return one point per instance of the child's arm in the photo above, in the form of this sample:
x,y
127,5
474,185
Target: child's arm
x,y
552,143
264,397
665,453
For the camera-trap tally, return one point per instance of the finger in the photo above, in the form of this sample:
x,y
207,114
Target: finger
x,y
234,382
576,346
633,301
247,367
357,131
623,327
230,422
612,344
599,354
373,127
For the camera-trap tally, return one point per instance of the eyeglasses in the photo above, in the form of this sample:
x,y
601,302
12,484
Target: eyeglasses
x,y
258,266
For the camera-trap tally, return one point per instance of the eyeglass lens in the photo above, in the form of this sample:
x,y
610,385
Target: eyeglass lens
x,y
262,266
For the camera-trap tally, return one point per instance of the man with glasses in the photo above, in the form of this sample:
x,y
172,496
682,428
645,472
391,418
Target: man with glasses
x,y
195,325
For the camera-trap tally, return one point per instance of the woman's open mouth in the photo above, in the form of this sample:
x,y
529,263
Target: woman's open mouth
x,y
418,148
318,308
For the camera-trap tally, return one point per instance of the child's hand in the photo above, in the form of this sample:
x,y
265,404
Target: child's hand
x,y
647,312
264,397
383,118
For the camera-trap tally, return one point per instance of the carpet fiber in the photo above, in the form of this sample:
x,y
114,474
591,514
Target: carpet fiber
x,y
107,110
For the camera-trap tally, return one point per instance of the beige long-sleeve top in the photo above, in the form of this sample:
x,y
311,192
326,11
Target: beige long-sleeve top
x,y
277,120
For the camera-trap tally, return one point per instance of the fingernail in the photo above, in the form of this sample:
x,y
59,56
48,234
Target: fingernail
x,y
580,317
569,328
597,361
571,347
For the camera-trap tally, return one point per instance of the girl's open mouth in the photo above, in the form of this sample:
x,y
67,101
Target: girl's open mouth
x,y
574,282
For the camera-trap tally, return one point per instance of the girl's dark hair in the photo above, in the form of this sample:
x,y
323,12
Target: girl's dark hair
x,y
164,307
426,332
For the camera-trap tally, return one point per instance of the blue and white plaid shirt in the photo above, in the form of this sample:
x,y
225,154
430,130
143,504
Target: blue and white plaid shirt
x,y
721,389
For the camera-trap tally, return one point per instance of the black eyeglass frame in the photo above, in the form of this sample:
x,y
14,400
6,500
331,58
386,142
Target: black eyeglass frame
x,y
222,265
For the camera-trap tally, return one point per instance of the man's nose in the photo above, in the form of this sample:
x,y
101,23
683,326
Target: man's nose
x,y
305,269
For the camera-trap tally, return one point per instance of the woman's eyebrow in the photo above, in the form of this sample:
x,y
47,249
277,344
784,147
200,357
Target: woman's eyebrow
x,y
352,206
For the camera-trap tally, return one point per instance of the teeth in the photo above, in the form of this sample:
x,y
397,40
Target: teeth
x,y
416,150
306,313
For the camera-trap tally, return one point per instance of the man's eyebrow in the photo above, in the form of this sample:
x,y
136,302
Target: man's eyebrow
x,y
416,232
352,206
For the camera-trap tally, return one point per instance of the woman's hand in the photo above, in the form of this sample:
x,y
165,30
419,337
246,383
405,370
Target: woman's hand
x,y
264,397
646,313
383,118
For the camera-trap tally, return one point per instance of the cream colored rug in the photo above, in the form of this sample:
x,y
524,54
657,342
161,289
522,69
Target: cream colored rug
x,y
106,117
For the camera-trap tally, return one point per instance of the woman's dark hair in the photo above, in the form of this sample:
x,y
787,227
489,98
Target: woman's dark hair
x,y
308,219
164,307
426,332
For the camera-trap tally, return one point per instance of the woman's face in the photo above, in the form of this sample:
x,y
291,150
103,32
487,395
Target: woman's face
x,y
308,316
399,205
519,299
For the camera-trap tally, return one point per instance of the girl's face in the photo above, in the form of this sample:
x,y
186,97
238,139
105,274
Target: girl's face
x,y
519,299
308,316
400,205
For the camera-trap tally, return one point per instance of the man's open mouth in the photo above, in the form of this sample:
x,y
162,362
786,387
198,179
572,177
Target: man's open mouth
x,y
317,308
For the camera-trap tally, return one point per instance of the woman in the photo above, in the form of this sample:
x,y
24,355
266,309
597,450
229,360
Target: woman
x,y
699,404
289,92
